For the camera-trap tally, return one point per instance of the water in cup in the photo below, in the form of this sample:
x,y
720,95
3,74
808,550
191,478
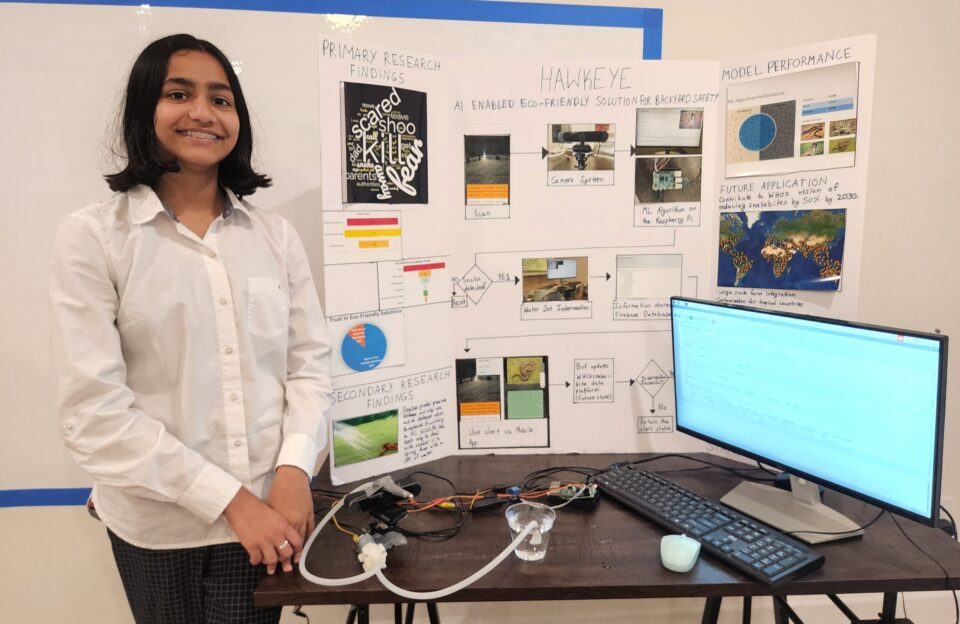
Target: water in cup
x,y
534,546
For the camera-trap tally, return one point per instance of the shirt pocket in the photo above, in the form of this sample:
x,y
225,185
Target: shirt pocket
x,y
268,308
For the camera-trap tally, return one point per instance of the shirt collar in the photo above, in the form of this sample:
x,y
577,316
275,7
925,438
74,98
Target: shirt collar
x,y
145,205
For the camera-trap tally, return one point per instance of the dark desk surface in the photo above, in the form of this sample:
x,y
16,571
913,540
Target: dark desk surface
x,y
606,553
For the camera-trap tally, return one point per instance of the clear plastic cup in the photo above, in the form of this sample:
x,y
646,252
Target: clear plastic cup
x,y
534,545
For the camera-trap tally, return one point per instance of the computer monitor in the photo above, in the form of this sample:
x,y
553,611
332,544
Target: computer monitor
x,y
854,407
561,268
669,128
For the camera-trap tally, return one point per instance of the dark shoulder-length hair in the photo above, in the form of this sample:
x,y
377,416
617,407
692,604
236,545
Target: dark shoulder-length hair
x,y
146,161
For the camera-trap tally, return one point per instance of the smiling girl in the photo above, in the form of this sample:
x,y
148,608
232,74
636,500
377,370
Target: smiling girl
x,y
191,351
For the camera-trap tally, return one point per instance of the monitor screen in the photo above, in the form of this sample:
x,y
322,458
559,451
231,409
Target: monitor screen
x,y
669,127
854,407
561,268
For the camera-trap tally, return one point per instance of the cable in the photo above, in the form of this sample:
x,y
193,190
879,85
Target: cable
x,y
765,469
854,530
735,471
953,522
946,575
440,593
375,571
437,534
531,478
319,580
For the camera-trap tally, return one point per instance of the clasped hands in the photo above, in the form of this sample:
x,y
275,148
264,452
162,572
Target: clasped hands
x,y
273,532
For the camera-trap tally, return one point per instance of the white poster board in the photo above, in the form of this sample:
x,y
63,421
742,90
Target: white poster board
x,y
567,202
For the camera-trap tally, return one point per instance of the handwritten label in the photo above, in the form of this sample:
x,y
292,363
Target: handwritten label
x,y
593,381
546,310
586,178
641,309
489,211
685,214
655,424
504,434
761,298
789,193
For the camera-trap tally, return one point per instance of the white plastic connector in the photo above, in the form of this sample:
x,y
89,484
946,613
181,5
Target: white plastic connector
x,y
373,556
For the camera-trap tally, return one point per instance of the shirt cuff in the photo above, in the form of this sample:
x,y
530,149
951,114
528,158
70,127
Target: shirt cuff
x,y
210,493
300,450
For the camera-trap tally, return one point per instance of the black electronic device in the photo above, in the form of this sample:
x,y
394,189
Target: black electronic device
x,y
581,151
857,408
575,496
382,498
583,136
757,550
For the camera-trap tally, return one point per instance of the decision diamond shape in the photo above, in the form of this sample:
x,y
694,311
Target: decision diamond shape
x,y
474,283
652,378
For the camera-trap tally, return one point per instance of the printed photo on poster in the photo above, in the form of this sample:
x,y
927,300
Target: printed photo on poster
x,y
384,145
486,170
555,279
663,179
365,437
580,154
669,131
780,124
789,249
503,402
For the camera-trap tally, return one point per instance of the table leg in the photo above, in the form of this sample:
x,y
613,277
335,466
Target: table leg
x,y
783,613
779,614
889,613
363,614
352,614
433,613
747,603
410,606
711,611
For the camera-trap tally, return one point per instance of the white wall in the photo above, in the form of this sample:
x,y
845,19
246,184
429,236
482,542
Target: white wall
x,y
57,565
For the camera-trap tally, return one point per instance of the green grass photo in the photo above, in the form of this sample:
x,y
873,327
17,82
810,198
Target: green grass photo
x,y
365,437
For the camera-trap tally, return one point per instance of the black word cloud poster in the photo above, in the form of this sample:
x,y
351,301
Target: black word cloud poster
x,y
385,145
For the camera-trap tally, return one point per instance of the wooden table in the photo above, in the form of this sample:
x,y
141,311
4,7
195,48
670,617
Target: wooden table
x,y
609,552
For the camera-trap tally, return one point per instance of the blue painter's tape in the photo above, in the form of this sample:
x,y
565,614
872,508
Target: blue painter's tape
x,y
650,20
45,497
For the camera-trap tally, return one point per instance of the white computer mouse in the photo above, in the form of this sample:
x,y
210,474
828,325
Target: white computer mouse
x,y
679,552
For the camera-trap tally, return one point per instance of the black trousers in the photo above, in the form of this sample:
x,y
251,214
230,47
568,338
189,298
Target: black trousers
x,y
205,585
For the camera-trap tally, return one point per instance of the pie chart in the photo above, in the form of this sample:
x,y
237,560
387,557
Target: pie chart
x,y
757,132
364,347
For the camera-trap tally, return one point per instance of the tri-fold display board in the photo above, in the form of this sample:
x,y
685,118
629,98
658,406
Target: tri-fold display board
x,y
501,239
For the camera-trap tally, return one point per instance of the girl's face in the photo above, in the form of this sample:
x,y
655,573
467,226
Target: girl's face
x,y
196,121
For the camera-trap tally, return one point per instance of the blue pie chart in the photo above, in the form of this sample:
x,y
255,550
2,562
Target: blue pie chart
x,y
757,132
364,347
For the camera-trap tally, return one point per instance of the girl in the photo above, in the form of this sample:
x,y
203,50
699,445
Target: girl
x,y
191,352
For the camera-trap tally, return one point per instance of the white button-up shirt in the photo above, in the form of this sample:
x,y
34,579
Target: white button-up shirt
x,y
186,367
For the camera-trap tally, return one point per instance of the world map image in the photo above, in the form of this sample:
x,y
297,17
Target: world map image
x,y
790,249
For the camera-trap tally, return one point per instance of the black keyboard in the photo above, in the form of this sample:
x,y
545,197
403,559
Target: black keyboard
x,y
757,550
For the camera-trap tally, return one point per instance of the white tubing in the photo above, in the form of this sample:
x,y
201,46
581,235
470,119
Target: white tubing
x,y
319,580
440,593
416,596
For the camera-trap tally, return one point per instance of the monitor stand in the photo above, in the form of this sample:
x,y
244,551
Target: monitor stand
x,y
796,512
